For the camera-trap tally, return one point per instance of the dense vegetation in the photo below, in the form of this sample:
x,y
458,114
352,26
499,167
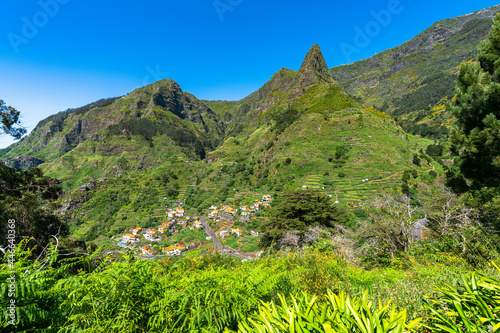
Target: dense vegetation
x,y
59,118
213,293
149,128
363,234
24,197
476,136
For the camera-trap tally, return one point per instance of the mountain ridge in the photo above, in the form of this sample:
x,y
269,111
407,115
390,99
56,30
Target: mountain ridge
x,y
413,80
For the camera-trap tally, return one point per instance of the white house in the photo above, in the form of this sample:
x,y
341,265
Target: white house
x,y
266,197
254,233
128,238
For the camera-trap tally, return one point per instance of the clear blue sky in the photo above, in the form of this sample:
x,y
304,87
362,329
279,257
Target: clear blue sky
x,y
57,54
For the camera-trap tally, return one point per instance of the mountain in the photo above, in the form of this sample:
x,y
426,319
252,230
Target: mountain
x,y
302,129
413,80
123,158
161,108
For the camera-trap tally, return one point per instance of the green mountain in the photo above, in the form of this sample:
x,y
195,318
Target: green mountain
x,y
302,129
413,80
121,158
161,110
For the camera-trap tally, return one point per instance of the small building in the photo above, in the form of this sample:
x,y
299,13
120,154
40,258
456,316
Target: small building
x,y
129,238
146,251
238,232
174,250
135,230
254,233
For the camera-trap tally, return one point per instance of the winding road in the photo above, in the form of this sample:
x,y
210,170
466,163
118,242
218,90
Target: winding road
x,y
217,243
210,232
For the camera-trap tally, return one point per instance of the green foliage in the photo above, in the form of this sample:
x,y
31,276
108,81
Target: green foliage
x,y
9,119
434,88
59,118
474,306
296,211
338,313
416,160
283,119
475,139
149,128
434,150
23,198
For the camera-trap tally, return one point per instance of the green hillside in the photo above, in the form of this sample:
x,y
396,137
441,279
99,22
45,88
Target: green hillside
x,y
413,80
121,159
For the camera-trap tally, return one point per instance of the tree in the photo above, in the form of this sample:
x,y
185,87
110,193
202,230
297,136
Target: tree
x,y
455,225
476,136
24,196
390,223
297,211
9,120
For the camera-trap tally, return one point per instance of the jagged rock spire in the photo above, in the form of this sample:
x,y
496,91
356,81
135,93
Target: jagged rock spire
x,y
314,63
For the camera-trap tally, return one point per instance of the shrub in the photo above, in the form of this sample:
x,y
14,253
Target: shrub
x,y
473,307
338,313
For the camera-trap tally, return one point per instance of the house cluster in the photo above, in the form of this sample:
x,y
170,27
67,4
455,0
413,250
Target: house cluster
x,y
264,203
147,251
175,212
152,235
166,226
225,233
225,209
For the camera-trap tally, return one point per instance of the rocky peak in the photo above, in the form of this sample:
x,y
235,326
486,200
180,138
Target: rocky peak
x,y
314,67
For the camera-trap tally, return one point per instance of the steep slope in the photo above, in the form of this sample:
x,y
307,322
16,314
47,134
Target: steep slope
x,y
158,109
121,163
301,129
413,79
284,88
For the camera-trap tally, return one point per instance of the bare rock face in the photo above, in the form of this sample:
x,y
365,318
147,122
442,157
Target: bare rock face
x,y
22,162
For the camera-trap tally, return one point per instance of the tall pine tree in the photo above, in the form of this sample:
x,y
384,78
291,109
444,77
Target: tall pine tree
x,y
476,136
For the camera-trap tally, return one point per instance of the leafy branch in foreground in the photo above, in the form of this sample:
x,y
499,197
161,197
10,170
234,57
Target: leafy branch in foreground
x,y
338,313
473,308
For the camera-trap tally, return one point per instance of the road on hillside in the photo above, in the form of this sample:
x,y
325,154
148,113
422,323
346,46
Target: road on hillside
x,y
218,245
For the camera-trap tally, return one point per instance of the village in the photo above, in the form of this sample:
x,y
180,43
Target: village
x,y
226,220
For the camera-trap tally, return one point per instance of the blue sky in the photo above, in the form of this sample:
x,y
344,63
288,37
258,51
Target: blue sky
x,y
57,54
